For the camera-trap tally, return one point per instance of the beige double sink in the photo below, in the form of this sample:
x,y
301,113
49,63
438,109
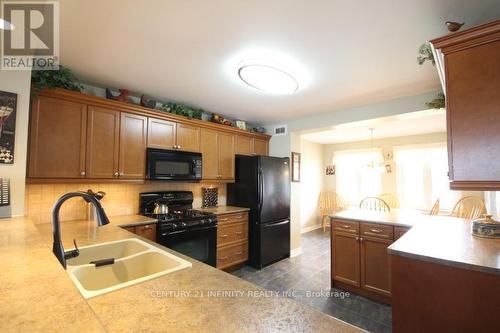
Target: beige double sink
x,y
135,261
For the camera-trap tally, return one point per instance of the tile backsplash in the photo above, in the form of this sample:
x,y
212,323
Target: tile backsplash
x,y
120,199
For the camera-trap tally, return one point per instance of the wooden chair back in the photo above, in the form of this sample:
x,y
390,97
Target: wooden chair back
x,y
374,203
329,202
470,207
435,208
390,199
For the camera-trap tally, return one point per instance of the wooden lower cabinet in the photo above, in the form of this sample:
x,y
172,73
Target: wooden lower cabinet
x,y
360,261
147,231
232,240
375,265
399,232
346,262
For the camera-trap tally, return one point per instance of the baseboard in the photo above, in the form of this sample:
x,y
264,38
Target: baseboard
x,y
310,228
295,252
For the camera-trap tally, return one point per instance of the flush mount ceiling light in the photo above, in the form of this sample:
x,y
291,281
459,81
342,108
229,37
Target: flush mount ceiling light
x,y
5,25
267,78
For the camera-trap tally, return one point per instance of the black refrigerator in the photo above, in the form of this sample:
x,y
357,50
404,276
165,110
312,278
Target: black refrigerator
x,y
263,184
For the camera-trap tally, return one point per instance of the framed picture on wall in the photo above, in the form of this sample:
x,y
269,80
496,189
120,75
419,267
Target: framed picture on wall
x,y
295,167
8,104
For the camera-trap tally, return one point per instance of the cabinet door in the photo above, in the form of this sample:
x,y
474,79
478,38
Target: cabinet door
x,y
225,143
260,147
132,161
103,136
472,95
57,139
188,138
161,133
147,231
244,145
375,265
345,258
209,153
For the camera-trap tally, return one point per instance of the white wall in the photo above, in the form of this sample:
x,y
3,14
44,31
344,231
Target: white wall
x,y
312,170
17,82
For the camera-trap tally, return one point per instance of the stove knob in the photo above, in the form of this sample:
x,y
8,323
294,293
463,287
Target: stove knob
x,y
183,224
174,225
203,221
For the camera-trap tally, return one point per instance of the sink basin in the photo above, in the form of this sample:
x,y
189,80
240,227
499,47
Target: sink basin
x,y
132,265
117,250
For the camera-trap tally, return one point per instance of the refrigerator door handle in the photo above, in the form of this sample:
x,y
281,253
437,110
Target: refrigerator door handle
x,y
261,188
275,224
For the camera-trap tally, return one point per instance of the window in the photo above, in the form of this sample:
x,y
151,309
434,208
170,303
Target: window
x,y
422,177
354,179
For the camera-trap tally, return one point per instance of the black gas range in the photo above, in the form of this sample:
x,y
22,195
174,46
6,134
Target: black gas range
x,y
183,229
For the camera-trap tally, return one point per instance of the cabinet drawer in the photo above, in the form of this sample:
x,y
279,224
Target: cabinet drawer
x,y
400,231
346,226
233,218
231,255
227,234
377,230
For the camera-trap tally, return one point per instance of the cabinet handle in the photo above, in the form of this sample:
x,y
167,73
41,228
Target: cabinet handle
x,y
357,239
116,174
377,231
223,219
238,253
147,227
122,173
361,239
223,236
346,226
239,217
238,232
82,173
223,259
178,147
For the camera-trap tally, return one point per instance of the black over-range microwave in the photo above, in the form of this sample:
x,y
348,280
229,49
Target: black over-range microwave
x,y
176,165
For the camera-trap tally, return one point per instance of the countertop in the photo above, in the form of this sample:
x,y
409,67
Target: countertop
x,y
38,295
441,239
220,210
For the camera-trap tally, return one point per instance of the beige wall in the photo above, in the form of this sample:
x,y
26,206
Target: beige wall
x,y
17,82
311,183
120,199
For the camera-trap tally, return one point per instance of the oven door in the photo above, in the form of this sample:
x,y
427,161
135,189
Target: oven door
x,y
173,165
199,243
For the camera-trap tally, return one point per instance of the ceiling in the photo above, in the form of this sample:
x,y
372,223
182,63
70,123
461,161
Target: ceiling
x,y
413,123
344,53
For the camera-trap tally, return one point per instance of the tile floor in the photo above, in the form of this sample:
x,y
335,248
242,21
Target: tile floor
x,y
310,271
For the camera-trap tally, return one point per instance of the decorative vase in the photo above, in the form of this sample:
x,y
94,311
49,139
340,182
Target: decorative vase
x,y
210,196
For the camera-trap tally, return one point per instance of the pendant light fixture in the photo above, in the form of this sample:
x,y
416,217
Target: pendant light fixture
x,y
373,166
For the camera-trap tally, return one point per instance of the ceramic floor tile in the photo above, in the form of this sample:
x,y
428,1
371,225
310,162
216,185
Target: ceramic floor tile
x,y
306,278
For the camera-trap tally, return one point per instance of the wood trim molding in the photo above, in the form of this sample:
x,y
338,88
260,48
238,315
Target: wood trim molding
x,y
477,35
139,110
475,185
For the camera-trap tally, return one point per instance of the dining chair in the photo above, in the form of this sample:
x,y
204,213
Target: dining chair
x,y
329,202
435,208
470,207
390,199
374,203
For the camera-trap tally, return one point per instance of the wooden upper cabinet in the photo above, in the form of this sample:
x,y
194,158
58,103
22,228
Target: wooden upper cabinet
x,y
261,147
188,137
103,136
209,154
57,139
225,143
469,63
132,156
161,133
244,145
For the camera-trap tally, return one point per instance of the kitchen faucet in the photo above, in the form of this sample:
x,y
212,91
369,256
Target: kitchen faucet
x,y
57,247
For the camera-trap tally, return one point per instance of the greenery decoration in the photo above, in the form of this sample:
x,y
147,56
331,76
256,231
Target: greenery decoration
x,y
61,78
425,54
437,103
181,110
